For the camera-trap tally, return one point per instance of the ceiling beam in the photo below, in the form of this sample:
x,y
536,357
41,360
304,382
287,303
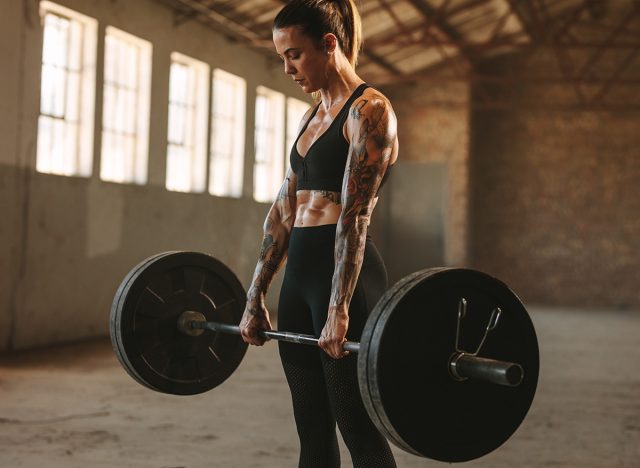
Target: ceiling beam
x,y
438,20
525,19
615,77
229,26
396,19
378,60
606,44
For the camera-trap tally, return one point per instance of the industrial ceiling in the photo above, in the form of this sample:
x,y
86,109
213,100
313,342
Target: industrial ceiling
x,y
422,40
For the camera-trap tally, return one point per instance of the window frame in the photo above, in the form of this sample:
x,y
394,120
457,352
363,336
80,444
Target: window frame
x,y
76,120
269,153
133,163
237,120
194,125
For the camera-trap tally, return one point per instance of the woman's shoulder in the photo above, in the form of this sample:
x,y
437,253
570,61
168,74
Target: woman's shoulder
x,y
371,105
373,93
371,100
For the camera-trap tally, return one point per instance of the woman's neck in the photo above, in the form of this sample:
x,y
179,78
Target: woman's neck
x,y
342,80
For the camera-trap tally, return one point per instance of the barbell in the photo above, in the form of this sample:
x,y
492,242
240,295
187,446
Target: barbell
x,y
174,329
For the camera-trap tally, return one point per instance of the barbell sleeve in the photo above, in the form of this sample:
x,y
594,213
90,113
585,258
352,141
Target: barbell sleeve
x,y
467,366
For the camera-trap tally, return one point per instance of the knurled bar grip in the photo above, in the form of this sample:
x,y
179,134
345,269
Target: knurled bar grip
x,y
461,365
272,334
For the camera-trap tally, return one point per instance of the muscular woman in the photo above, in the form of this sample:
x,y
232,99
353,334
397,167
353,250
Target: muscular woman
x,y
334,273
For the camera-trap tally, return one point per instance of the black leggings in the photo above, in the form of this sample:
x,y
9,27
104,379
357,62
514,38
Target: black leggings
x,y
325,390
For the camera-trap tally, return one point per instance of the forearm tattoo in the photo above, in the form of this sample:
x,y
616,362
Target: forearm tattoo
x,y
271,262
277,229
370,151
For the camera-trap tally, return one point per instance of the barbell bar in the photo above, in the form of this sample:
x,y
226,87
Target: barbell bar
x,y
462,365
421,387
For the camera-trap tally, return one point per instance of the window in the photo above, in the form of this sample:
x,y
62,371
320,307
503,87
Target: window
x,y
67,92
227,134
187,134
295,111
269,143
125,116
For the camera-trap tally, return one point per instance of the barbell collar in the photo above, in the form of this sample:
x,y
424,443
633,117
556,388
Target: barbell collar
x,y
290,337
463,366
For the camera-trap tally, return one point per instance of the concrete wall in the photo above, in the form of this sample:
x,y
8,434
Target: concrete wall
x,y
12,182
66,243
555,202
411,235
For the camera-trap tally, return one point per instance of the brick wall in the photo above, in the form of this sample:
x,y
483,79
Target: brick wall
x,y
555,197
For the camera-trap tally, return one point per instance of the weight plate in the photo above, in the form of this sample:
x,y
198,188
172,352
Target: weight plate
x,y
364,353
144,322
114,322
405,350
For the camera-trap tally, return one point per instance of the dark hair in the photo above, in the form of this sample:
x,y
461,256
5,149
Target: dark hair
x,y
319,17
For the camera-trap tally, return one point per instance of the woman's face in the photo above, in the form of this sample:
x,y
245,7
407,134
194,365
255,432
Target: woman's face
x,y
304,60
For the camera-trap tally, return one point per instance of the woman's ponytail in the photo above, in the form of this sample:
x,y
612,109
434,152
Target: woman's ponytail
x,y
352,25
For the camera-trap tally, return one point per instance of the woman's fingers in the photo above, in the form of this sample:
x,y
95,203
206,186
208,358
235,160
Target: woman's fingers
x,y
333,347
251,325
255,330
251,336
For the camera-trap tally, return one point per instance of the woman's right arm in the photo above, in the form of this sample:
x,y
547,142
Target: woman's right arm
x,y
277,230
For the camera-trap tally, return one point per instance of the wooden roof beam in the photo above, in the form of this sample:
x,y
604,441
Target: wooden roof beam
x,y
434,19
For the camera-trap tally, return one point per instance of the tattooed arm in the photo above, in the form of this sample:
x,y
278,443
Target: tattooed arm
x,y
372,133
277,229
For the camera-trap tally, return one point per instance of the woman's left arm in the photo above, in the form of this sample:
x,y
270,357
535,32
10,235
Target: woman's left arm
x,y
372,130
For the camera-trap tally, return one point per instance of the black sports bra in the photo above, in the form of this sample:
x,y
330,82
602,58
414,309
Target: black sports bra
x,y
323,167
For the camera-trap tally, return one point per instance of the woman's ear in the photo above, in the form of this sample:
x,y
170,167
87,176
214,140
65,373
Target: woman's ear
x,y
329,43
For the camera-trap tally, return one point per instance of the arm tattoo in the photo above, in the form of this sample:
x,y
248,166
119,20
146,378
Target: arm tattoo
x,y
356,112
271,262
277,229
369,154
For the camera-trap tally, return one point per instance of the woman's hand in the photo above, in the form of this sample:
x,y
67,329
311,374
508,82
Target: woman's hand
x,y
334,333
254,320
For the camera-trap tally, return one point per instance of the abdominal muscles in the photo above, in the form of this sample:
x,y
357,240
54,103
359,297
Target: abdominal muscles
x,y
317,207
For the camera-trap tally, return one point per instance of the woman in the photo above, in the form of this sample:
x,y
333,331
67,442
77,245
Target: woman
x,y
319,220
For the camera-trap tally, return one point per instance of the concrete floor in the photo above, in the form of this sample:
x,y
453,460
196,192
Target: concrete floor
x,y
74,406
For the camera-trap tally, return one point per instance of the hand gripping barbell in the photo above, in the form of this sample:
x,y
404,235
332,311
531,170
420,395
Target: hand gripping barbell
x,y
422,390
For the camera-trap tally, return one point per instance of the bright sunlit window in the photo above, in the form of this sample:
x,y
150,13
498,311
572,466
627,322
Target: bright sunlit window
x,y
295,111
227,134
268,170
187,135
67,92
125,116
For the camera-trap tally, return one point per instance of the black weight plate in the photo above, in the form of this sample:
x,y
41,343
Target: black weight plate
x,y
144,318
409,340
114,322
364,353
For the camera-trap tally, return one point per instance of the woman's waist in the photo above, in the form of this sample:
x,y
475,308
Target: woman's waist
x,y
321,234
314,246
